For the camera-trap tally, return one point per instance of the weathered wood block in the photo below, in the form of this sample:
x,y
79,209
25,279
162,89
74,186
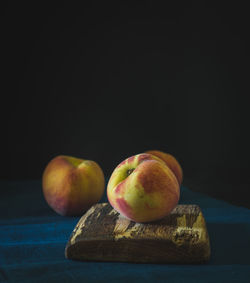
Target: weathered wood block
x,y
102,234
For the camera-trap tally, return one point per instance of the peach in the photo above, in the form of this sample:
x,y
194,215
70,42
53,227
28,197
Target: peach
x,y
72,185
171,162
143,189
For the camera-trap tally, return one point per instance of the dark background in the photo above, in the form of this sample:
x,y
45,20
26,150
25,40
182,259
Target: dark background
x,y
111,79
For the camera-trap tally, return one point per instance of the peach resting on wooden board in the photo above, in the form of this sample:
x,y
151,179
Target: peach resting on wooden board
x,y
72,185
143,189
171,162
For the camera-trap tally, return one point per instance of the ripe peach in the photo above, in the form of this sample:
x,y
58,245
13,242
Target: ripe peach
x,y
171,162
72,185
143,188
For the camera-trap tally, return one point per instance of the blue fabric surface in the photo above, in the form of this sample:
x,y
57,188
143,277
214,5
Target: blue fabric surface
x,y
33,238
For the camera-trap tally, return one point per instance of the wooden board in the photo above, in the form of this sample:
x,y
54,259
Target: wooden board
x,y
102,234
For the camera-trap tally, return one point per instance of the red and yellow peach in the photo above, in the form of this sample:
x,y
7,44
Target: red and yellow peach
x,y
143,189
72,185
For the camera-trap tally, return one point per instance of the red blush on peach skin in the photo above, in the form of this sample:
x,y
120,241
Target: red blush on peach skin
x,y
124,208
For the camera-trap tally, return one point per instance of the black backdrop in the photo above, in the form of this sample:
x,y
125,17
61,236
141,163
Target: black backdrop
x,y
109,80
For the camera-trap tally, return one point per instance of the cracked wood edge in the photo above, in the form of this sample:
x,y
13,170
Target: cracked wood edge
x,y
185,227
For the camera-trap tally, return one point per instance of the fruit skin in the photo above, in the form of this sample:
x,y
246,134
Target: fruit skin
x,y
143,189
72,185
171,162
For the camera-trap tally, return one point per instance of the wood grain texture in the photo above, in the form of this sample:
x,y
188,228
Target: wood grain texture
x,y
102,234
